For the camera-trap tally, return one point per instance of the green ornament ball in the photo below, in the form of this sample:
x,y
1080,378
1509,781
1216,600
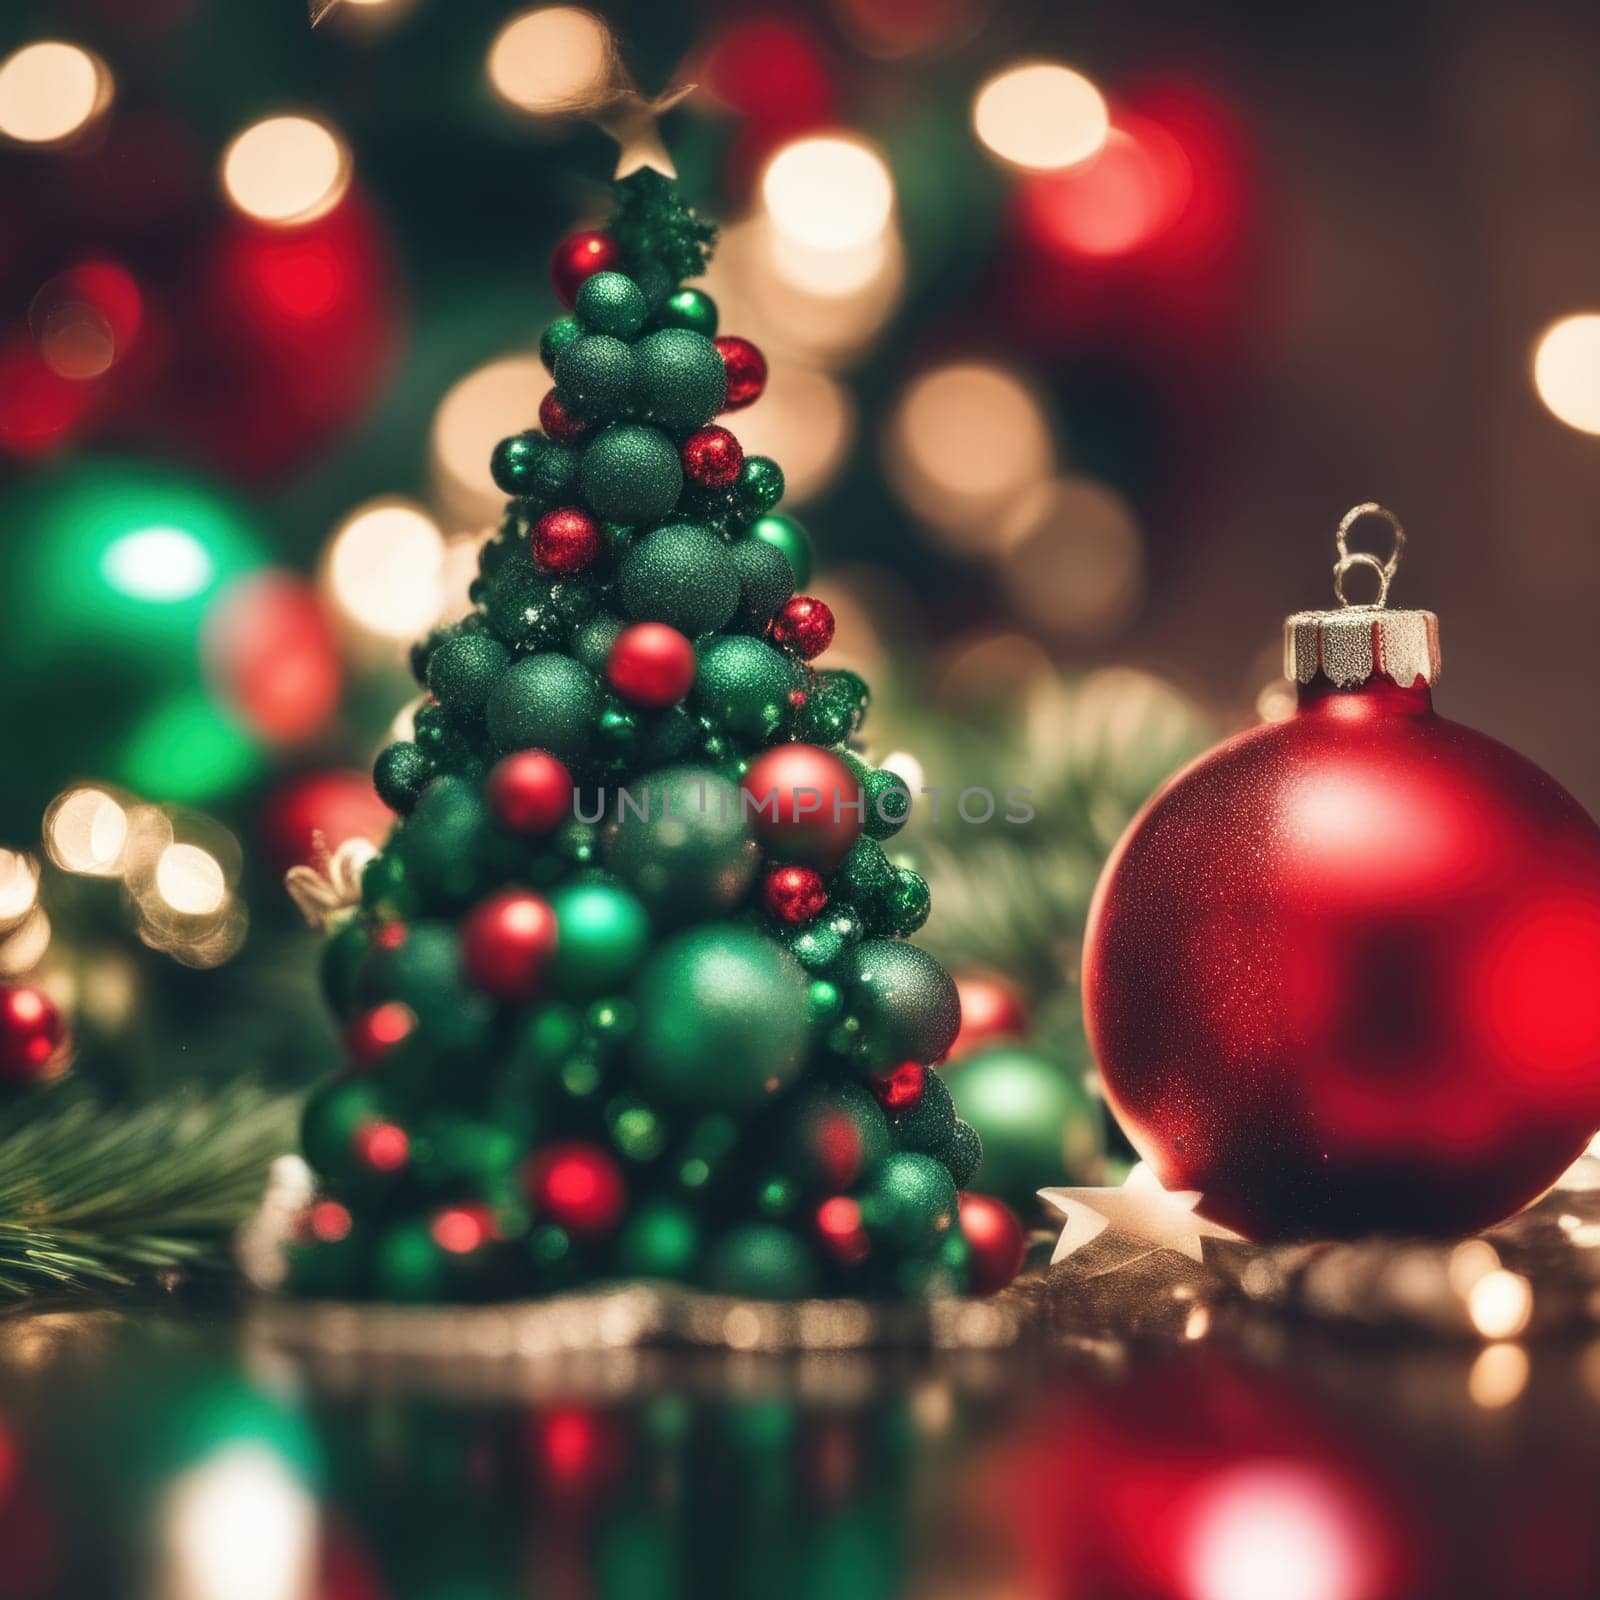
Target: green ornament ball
x,y
833,1135
682,841
602,934
407,1263
907,1001
912,1201
691,309
866,878
660,1240
592,641
766,580
888,802
962,1153
400,774
929,1124
682,575
790,540
724,1019
1037,1124
556,338
611,302
631,474
339,968
555,474
594,377
761,1261
909,904
760,485
682,382
515,462
462,671
743,686
443,841
332,1116
544,702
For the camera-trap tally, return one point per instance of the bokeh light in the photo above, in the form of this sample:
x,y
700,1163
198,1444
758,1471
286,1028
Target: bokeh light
x,y
1500,1304
1498,1376
158,564
26,946
19,887
964,443
191,880
551,61
286,170
383,569
828,193
474,416
1041,116
1566,370
51,90
806,420
85,831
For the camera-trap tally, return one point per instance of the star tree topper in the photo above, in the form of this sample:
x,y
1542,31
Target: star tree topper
x,y
1141,1211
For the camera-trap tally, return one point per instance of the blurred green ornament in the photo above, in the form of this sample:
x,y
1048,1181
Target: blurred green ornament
x,y
912,1201
444,843
761,1261
682,382
683,575
766,580
334,1113
789,539
407,1264
544,702
691,309
724,1019
595,377
963,1153
610,303
907,1001
602,935
834,1133
866,878
743,686
660,1240
341,962
631,474
683,843
400,774
929,1125
1038,1125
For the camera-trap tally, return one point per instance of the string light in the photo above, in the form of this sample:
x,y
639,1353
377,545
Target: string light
x,y
190,880
1566,370
473,417
50,91
828,193
1040,116
286,170
161,564
383,568
85,831
550,61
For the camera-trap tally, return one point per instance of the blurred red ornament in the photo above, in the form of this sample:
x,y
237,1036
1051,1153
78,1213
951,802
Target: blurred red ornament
x,y
380,1146
506,943
271,651
557,423
320,811
794,894
577,1186
901,1088
711,458
578,257
804,624
461,1229
996,1242
990,1010
1340,975
565,540
773,73
530,792
651,666
840,1230
32,1036
375,1033
747,371
805,805
323,1222
39,409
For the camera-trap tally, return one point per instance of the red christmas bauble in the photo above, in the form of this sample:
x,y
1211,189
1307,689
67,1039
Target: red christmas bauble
x,y
990,1010
320,811
380,1146
995,1242
530,792
803,624
506,943
374,1034
578,257
565,540
1342,975
651,666
804,804
557,423
578,1186
841,1232
901,1088
31,1035
711,458
747,371
794,894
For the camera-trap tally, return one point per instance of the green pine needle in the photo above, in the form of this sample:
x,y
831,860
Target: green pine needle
x,y
92,1198
653,222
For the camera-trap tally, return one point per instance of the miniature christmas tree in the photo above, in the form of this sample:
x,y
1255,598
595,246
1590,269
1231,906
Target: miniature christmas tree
x,y
628,993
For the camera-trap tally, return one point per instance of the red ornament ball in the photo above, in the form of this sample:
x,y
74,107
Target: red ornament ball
x,y
901,1088
991,1010
747,371
578,1186
375,1033
530,792
794,894
711,458
805,805
804,624
32,1035
841,1232
380,1146
651,666
565,540
506,943
577,258
558,423
996,1242
1341,974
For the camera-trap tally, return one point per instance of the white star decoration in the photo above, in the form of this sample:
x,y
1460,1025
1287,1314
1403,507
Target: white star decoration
x,y
630,119
1141,1211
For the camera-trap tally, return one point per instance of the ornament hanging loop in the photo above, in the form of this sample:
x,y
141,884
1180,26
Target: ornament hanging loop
x,y
1350,559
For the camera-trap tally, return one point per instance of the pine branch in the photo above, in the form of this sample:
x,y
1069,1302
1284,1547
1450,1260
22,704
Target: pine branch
x,y
94,1198
654,223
